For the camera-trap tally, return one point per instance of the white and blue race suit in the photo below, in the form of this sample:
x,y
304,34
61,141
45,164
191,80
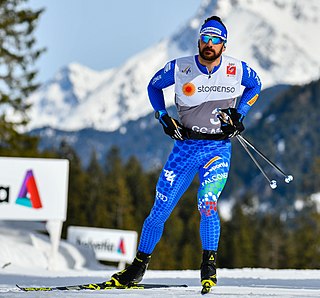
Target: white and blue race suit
x,y
198,96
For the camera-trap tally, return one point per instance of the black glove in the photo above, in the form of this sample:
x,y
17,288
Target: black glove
x,y
231,122
170,125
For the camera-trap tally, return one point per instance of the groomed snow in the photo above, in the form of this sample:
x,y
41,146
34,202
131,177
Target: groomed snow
x,y
24,261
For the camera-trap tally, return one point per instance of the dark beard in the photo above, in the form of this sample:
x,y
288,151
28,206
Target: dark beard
x,y
210,58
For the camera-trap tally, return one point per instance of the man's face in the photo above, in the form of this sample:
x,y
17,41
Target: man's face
x,y
208,50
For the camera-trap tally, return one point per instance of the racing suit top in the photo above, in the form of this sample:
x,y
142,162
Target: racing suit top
x,y
199,94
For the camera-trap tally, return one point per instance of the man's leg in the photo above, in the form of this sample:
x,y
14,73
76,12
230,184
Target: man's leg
x,y
174,179
213,177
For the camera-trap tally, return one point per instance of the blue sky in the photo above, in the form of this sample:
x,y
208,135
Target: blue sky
x,y
102,34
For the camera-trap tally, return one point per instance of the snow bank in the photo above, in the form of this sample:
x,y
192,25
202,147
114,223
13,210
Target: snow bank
x,y
29,248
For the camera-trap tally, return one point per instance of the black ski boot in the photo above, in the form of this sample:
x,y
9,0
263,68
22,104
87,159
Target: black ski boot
x,y
133,274
208,270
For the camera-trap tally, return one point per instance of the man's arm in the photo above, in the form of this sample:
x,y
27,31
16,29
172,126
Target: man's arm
x,y
252,84
162,79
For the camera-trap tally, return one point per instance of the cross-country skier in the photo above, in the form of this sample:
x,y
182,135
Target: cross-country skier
x,y
207,86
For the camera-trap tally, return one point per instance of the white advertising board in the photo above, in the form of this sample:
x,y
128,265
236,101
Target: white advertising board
x,y
33,188
108,244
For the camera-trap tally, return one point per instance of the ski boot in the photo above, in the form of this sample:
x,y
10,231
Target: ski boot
x,y
133,274
208,270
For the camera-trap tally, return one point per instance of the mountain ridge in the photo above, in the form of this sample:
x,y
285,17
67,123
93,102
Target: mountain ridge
x,y
264,35
148,141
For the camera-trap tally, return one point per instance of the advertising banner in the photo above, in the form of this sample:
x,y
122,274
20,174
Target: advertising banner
x,y
33,188
108,244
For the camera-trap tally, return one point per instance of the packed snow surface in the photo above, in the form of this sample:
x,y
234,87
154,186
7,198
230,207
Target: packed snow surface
x,y
24,260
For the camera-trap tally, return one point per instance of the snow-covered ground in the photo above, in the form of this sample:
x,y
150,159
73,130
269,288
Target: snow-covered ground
x,y
24,261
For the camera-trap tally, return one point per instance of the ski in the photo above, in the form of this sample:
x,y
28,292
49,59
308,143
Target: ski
x,y
98,287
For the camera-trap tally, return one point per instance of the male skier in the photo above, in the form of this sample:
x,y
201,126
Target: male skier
x,y
206,89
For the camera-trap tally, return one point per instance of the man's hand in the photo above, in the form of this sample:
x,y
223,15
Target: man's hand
x,y
231,122
170,125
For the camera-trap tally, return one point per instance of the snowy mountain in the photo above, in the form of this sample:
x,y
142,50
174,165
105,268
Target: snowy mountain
x,y
278,38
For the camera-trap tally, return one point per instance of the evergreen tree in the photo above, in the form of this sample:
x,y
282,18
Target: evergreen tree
x,y
17,73
117,192
95,195
311,180
305,238
242,229
76,203
140,191
191,250
271,242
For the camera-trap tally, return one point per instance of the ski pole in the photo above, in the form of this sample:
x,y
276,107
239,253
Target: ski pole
x,y
245,143
272,183
288,178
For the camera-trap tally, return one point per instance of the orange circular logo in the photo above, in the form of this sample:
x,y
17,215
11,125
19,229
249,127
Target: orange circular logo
x,y
188,89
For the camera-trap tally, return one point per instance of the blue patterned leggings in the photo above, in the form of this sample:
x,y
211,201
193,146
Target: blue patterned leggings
x,y
211,159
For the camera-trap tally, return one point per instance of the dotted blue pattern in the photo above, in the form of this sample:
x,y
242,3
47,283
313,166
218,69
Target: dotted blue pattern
x,y
211,159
